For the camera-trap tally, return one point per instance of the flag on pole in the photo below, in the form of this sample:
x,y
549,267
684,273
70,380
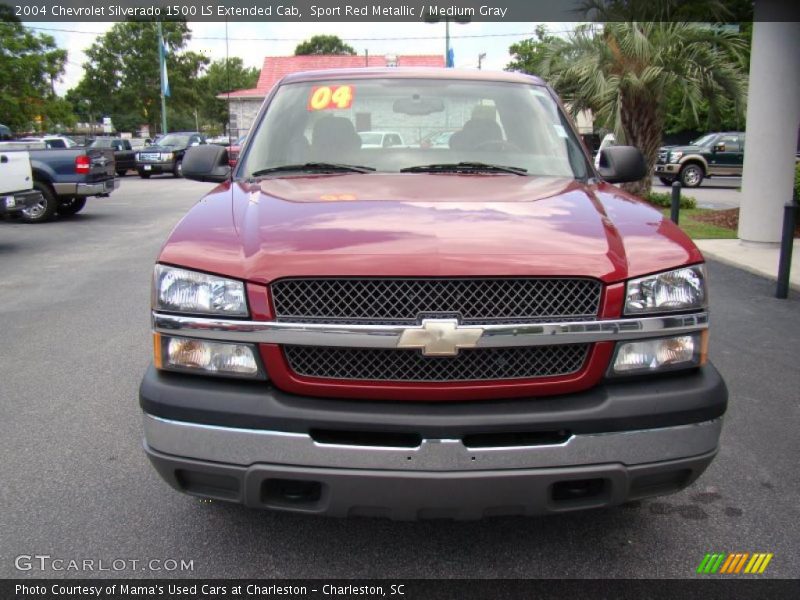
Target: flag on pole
x,y
162,55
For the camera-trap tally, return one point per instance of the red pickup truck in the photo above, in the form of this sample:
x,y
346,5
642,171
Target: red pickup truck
x,y
486,327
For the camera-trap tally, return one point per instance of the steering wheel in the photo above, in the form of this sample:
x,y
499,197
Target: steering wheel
x,y
497,146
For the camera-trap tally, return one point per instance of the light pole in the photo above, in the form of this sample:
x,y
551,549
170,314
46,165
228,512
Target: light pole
x,y
429,18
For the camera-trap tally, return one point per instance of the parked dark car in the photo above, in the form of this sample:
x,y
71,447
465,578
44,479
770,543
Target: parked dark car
x,y
124,155
712,155
166,155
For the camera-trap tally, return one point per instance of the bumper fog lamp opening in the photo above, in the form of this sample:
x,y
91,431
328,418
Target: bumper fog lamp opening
x,y
662,354
206,357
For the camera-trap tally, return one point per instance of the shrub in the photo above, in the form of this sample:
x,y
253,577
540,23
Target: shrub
x,y
664,199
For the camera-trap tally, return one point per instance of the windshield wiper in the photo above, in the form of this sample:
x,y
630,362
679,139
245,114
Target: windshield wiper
x,y
464,167
315,167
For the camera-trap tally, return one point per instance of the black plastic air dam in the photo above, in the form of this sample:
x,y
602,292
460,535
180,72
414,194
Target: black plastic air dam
x,y
663,401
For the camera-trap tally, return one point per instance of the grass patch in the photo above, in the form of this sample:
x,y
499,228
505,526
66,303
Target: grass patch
x,y
664,199
699,230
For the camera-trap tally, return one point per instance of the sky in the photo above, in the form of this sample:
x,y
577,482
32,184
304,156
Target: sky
x,y
253,41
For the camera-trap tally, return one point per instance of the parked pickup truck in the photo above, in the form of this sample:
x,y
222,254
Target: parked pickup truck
x,y
166,153
124,155
713,155
16,183
484,329
66,177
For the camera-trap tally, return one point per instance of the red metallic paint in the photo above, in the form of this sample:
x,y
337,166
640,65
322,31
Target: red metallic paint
x,y
425,225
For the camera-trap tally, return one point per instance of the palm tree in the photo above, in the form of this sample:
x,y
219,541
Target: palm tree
x,y
625,71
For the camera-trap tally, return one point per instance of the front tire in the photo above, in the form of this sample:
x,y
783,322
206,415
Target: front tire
x,y
177,170
72,207
45,209
144,175
691,175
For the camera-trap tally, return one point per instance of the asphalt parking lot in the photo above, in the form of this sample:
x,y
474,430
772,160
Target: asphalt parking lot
x,y
74,317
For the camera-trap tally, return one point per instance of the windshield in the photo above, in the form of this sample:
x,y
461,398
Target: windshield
x,y
703,141
173,140
344,121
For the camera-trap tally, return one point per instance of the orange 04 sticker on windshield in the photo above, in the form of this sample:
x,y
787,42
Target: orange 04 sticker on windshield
x,y
325,97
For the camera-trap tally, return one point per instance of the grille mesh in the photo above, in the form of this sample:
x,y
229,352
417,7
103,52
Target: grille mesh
x,y
403,301
480,364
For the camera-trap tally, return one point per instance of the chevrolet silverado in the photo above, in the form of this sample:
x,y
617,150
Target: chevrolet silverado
x,y
489,327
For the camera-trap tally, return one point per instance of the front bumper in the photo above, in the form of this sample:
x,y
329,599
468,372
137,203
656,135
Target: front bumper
x,y
409,495
16,202
252,444
667,169
157,168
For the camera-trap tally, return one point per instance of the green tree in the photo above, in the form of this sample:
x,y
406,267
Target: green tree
x,y
30,64
528,54
222,76
122,79
324,44
625,72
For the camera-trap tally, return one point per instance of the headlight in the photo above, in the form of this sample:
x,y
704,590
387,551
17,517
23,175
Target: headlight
x,y
664,354
681,289
166,156
205,357
675,156
138,156
184,291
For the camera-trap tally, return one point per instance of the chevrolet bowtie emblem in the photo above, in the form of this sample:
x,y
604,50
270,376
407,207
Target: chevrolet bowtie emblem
x,y
440,337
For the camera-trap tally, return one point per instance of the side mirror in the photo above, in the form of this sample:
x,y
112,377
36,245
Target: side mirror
x,y
620,164
206,163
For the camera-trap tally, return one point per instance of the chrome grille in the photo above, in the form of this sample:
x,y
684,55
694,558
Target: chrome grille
x,y
662,156
151,156
406,301
480,364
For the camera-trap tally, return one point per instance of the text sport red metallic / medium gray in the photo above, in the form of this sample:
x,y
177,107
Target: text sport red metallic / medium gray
x,y
483,326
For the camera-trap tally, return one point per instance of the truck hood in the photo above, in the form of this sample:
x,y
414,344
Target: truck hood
x,y
424,225
685,149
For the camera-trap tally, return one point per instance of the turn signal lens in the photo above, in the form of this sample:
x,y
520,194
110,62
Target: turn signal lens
x,y
664,354
204,357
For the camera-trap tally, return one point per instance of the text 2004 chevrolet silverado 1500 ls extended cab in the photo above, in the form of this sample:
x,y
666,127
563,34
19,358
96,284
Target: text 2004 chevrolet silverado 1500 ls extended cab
x,y
485,328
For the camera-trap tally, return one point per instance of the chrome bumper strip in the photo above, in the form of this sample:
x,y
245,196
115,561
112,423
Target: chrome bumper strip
x,y
249,446
388,336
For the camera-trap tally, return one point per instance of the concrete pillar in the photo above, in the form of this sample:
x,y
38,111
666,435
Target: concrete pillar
x,y
773,119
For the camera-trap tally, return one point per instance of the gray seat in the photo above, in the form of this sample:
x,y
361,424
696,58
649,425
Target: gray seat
x,y
474,133
333,137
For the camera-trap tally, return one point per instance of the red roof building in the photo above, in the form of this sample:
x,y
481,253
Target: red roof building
x,y
245,103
